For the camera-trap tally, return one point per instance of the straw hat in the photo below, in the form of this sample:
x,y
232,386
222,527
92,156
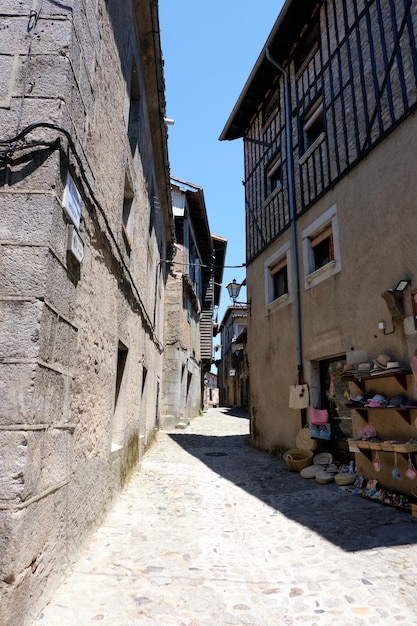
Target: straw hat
x,y
323,477
310,471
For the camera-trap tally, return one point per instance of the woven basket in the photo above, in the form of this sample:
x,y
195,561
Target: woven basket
x,y
296,459
344,478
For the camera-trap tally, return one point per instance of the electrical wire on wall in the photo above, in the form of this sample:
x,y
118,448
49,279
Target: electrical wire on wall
x,y
91,203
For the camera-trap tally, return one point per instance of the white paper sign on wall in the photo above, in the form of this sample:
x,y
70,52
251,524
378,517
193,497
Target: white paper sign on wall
x,y
75,245
71,201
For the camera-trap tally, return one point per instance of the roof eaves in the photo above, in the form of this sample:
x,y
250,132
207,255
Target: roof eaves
x,y
279,42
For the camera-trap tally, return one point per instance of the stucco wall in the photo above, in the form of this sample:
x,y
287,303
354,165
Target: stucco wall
x,y
376,213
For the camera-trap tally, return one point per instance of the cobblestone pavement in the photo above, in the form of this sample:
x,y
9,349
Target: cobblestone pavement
x,y
211,532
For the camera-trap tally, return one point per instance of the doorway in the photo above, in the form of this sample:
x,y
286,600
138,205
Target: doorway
x,y
334,394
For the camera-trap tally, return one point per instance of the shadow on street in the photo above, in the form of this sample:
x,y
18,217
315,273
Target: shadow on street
x,y
345,519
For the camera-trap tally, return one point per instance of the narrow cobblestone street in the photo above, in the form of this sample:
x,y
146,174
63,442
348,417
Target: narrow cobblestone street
x,y
211,532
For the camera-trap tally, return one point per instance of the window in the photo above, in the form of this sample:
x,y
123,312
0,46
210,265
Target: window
x,y
322,246
312,125
279,274
134,110
273,175
321,252
118,427
127,214
309,44
277,270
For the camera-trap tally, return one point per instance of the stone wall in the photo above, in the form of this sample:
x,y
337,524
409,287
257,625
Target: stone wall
x,y
81,344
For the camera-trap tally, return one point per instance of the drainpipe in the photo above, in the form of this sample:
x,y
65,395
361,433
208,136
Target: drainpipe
x,y
292,217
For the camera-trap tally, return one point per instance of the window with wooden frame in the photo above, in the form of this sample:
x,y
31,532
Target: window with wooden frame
x,y
323,248
312,125
279,276
273,175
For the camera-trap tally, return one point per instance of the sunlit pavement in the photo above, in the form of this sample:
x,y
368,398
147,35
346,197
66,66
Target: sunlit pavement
x,y
211,531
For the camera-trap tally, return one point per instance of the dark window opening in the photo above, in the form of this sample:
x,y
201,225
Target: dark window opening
x,y
121,364
134,110
323,248
279,275
273,176
312,125
126,214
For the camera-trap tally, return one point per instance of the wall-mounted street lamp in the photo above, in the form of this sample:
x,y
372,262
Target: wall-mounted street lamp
x,y
233,289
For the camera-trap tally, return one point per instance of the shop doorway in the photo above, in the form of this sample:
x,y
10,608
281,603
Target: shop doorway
x,y
334,394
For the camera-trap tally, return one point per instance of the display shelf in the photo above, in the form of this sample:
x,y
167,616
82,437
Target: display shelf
x,y
405,413
400,377
368,446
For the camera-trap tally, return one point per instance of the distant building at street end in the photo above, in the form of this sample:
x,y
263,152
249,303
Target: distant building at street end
x,y
233,368
211,391
194,276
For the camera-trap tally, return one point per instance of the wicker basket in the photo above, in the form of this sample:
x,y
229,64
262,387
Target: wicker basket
x,y
296,459
345,478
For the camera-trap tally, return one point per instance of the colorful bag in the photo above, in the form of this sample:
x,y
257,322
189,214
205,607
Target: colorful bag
x,y
319,416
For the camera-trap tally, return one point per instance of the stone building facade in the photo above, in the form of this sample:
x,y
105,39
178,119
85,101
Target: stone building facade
x,y
85,220
233,368
328,120
194,277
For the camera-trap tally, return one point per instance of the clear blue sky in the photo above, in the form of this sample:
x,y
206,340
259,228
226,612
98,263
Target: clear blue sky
x,y
209,50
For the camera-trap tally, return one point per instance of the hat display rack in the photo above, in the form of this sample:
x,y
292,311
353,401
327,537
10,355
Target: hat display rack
x,y
389,458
